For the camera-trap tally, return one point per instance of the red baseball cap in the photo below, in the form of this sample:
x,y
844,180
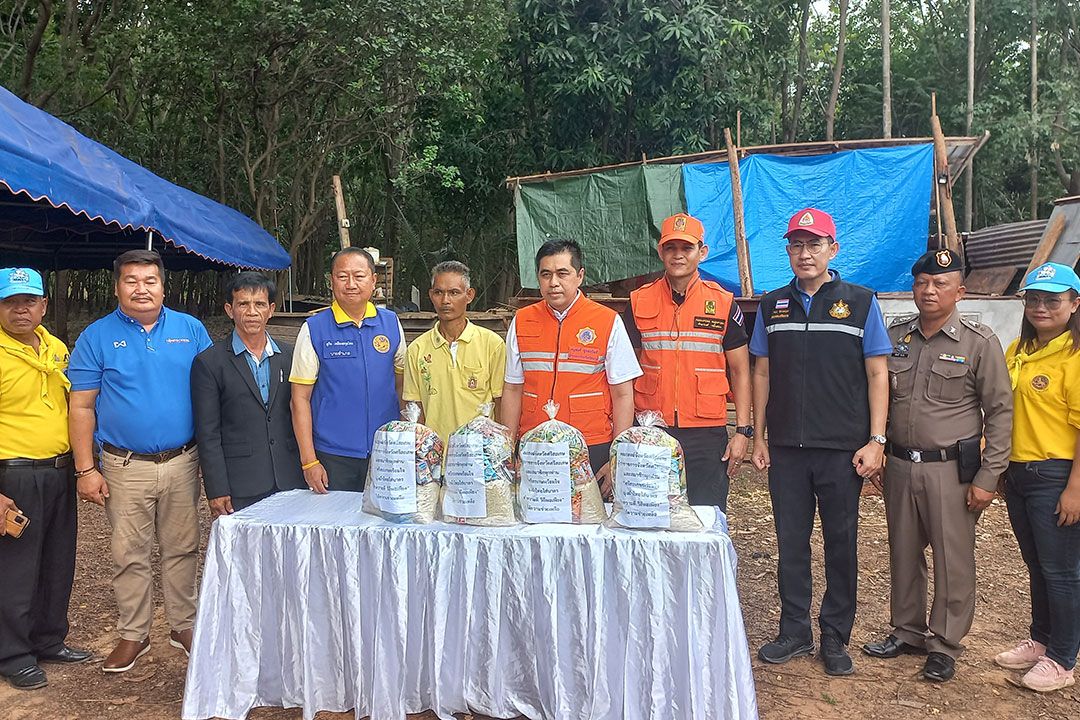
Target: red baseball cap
x,y
813,221
682,227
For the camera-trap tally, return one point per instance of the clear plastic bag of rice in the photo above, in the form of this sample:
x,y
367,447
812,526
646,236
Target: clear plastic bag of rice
x,y
649,476
405,473
479,476
556,481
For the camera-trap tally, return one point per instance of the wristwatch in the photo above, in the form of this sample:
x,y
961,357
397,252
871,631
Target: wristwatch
x,y
879,439
747,430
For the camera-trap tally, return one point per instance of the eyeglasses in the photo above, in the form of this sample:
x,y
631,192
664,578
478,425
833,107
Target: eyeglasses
x,y
814,246
1050,302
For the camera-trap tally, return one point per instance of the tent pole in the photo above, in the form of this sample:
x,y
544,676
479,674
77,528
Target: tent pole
x,y
290,288
149,239
742,250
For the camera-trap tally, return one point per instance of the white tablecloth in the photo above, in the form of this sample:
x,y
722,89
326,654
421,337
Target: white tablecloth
x,y
308,602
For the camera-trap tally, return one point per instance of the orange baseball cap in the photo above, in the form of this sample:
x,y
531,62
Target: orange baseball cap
x,y
682,227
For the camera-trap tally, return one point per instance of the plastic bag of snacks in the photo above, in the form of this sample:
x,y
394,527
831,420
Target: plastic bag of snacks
x,y
556,480
479,477
648,472
405,472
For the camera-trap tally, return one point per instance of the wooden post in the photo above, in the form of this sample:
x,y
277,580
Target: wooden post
x,y
969,192
1049,241
742,250
943,189
342,218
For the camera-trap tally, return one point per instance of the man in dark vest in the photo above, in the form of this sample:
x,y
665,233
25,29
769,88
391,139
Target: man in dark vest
x,y
821,389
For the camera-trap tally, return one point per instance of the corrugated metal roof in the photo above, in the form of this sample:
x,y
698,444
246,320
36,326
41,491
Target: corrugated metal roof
x,y
1008,245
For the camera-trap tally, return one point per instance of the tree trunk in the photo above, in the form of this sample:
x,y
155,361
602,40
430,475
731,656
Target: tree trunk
x,y
886,71
800,77
838,71
969,192
1034,159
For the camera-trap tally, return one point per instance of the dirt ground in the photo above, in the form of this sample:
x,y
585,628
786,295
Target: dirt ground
x,y
798,690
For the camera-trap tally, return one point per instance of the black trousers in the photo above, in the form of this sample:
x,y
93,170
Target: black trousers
x,y
38,568
344,473
802,480
706,473
599,456
239,503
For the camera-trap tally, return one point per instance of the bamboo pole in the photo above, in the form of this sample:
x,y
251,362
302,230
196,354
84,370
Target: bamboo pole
x,y
742,250
944,189
342,218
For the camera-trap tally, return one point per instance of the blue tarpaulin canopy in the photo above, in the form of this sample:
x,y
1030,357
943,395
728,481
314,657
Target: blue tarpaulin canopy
x,y
69,202
880,199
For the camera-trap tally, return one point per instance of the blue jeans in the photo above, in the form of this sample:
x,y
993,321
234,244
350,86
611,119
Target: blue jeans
x,y
1051,553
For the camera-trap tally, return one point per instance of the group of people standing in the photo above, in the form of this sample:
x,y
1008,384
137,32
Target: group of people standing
x,y
147,404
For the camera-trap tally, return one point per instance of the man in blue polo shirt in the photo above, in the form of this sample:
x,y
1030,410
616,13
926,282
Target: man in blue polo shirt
x,y
131,400
347,374
821,388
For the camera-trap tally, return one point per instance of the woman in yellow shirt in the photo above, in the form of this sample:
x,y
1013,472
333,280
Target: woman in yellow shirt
x,y
1042,488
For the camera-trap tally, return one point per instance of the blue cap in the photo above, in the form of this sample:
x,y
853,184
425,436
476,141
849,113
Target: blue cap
x,y
20,281
1052,277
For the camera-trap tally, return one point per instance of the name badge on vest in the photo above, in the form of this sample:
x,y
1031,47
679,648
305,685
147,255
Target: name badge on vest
x,y
585,354
710,323
334,349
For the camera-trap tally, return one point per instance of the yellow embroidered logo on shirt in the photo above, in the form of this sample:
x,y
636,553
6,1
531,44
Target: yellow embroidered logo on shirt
x,y
840,310
710,307
381,343
1040,382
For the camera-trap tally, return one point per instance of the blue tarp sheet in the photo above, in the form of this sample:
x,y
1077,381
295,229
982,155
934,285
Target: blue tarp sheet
x,y
48,160
879,198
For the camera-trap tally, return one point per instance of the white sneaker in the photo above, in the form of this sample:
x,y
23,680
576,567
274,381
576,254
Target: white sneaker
x,y
1022,657
1046,676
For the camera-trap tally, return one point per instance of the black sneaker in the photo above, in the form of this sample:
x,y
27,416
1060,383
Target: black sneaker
x,y
784,648
835,657
30,677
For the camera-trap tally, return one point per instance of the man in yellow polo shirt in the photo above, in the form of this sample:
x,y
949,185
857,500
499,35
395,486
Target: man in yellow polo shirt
x,y
455,366
36,479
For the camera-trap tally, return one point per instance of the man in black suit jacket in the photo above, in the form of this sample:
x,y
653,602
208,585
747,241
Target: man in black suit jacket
x,y
240,391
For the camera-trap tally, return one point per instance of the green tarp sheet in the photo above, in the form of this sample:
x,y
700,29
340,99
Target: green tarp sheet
x,y
615,215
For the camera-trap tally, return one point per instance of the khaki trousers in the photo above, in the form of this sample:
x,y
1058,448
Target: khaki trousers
x,y
926,504
146,501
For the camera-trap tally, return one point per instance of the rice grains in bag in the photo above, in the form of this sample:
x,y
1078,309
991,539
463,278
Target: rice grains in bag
x,y
405,472
479,477
648,472
556,480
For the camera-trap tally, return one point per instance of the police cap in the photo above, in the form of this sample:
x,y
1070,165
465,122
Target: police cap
x,y
938,262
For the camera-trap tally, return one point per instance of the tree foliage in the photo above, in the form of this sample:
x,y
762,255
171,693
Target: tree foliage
x,y
424,107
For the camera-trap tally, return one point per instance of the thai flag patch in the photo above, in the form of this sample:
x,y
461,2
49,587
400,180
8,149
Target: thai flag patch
x,y
781,304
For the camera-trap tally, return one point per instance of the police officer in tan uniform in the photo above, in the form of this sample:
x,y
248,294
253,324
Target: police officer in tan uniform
x,y
949,391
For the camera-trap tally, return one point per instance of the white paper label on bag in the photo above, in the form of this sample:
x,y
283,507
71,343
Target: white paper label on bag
x,y
641,485
466,493
393,471
545,482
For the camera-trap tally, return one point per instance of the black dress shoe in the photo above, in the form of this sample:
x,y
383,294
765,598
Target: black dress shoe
x,y
939,667
892,647
30,677
67,656
835,656
784,648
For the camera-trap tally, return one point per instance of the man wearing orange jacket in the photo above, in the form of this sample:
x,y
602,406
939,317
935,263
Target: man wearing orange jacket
x,y
574,351
691,342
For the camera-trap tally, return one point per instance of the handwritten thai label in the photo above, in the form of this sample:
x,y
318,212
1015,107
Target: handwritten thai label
x,y
393,471
545,482
465,490
641,485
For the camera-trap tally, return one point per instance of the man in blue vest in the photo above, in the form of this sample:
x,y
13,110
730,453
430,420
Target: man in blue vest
x,y
821,388
346,375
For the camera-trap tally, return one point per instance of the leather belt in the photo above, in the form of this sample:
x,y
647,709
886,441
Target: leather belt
x,y
56,461
923,456
158,458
